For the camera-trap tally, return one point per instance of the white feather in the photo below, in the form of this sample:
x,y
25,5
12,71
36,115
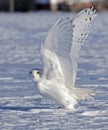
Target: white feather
x,y
64,41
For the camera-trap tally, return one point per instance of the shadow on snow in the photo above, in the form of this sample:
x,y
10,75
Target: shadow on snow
x,y
23,108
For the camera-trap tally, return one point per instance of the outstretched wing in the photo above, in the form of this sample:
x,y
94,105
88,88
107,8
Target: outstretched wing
x,y
81,23
56,52
61,49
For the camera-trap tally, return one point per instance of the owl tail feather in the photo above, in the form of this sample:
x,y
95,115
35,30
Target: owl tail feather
x,y
82,94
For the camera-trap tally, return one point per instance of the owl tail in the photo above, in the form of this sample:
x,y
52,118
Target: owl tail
x,y
81,94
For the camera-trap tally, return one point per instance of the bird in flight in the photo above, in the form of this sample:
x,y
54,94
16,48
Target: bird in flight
x,y
60,54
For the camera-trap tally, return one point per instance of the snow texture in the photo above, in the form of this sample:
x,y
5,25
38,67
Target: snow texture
x,y
21,107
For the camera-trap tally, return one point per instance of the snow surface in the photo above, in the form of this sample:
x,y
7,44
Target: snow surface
x,y
21,107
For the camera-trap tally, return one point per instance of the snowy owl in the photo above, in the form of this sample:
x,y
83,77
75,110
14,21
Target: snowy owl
x,y
60,54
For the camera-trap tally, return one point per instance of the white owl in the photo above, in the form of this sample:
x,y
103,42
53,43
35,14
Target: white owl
x,y
60,54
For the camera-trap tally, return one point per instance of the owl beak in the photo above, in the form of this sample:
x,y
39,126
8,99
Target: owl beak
x,y
30,74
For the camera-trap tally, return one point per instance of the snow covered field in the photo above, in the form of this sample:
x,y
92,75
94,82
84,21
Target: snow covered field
x,y
21,107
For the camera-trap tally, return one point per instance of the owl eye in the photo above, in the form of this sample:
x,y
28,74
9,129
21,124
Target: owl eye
x,y
38,72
